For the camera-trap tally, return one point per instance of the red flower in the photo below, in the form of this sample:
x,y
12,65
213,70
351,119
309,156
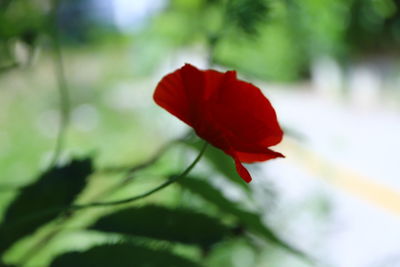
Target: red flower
x,y
230,114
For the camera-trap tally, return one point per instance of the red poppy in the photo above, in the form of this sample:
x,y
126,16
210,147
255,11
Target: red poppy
x,y
230,114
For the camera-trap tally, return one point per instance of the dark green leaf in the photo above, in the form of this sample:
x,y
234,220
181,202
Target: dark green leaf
x,y
250,220
5,265
175,225
122,255
247,14
222,163
43,200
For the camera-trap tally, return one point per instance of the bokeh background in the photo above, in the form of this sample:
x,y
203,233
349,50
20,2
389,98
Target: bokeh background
x,y
330,68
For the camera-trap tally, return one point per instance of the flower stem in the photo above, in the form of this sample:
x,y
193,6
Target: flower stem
x,y
62,85
150,192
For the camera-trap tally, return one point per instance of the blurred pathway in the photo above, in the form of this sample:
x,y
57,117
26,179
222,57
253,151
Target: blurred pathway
x,y
353,151
346,179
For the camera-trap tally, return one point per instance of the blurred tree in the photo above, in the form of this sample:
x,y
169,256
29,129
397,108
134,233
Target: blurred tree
x,y
278,40
374,26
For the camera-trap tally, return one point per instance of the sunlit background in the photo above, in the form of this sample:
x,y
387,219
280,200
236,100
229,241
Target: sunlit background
x,y
330,68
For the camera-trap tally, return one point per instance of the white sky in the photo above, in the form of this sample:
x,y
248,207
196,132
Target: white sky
x,y
132,14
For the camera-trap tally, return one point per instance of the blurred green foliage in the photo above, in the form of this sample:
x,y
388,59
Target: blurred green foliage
x,y
268,39
278,40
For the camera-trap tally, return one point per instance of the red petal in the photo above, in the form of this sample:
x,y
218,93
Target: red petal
x,y
243,172
170,94
249,119
183,93
257,157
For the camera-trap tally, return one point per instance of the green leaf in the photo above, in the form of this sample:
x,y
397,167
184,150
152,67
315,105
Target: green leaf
x,y
122,255
247,15
43,200
5,265
250,220
222,163
175,225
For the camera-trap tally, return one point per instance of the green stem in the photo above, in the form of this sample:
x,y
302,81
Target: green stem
x,y
62,86
148,193
131,170
116,202
125,200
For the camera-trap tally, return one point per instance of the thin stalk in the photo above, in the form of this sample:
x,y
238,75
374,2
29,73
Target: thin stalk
x,y
131,171
62,86
148,193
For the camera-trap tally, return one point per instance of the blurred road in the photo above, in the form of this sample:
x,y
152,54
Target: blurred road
x,y
350,153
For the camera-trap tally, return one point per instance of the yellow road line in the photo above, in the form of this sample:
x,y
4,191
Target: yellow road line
x,y
343,178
